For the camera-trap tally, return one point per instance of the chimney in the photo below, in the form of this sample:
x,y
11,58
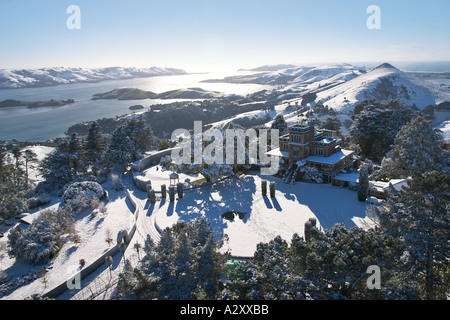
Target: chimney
x,y
312,126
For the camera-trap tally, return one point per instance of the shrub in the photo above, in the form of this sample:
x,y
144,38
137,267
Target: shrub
x,y
43,239
83,195
311,174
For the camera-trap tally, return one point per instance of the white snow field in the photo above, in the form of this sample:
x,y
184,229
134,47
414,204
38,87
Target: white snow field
x,y
41,152
265,217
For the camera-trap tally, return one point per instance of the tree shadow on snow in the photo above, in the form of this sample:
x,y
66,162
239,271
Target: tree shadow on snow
x,y
233,194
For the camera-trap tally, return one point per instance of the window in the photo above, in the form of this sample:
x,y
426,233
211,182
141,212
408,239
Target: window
x,y
296,153
295,138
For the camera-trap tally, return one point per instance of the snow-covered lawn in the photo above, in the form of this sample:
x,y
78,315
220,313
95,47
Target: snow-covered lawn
x,y
41,152
92,228
265,217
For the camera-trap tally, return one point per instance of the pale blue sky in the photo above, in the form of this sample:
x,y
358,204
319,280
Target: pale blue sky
x,y
200,35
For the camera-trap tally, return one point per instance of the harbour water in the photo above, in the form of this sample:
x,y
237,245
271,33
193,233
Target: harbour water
x,y
40,124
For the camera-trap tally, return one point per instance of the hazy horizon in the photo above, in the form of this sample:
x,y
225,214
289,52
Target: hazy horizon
x,y
202,36
410,66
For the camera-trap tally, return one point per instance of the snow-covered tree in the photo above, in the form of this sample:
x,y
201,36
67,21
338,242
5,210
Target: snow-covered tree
x,y
128,142
416,149
56,169
139,131
311,174
121,151
30,158
94,148
185,264
94,143
83,195
40,242
330,265
375,125
279,123
214,166
362,189
18,174
332,123
12,189
418,215
75,149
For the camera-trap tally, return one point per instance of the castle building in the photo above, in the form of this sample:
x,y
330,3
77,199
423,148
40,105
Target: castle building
x,y
306,146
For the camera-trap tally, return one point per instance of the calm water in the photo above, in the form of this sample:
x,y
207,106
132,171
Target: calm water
x,y
41,124
44,123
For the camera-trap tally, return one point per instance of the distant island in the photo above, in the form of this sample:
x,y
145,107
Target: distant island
x,y
35,104
136,107
138,94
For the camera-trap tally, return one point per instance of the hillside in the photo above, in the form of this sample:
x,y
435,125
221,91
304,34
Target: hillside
x,y
60,75
270,68
296,78
383,83
341,88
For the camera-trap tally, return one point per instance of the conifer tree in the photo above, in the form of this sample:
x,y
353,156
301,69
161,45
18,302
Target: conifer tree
x,y
417,149
185,264
418,215
279,123
362,189
94,147
121,151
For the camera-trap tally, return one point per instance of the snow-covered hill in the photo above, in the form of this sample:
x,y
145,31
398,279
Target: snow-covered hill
x,y
61,75
341,87
298,77
326,74
384,82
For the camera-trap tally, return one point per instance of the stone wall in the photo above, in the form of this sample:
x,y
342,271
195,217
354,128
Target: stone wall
x,y
87,270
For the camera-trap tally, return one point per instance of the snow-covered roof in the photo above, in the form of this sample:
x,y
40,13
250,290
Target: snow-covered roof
x,y
278,152
333,159
350,177
299,127
325,141
398,184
